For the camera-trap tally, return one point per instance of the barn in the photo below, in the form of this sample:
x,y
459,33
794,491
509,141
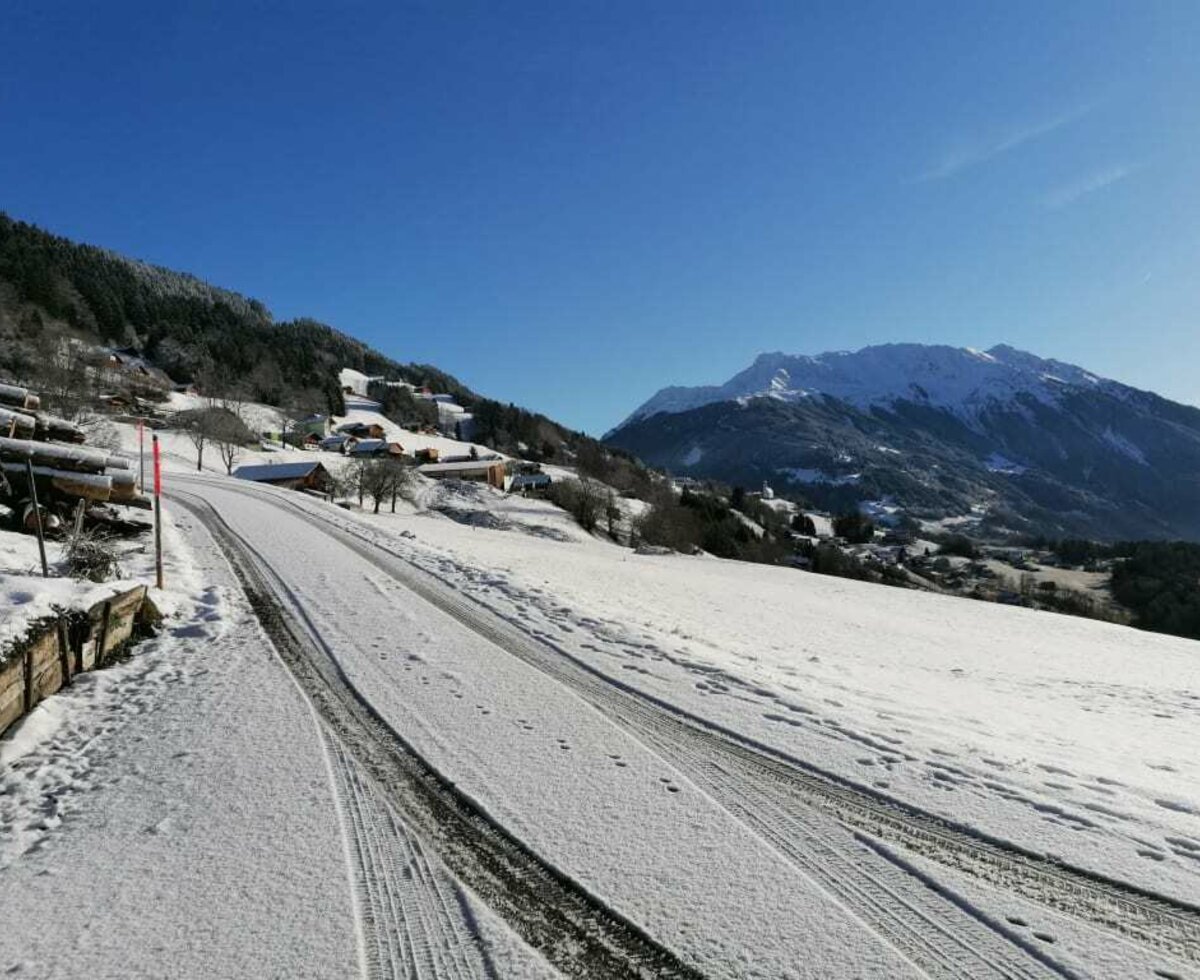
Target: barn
x,y
304,475
490,471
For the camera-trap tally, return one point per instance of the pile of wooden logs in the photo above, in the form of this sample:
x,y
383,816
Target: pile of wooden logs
x,y
68,477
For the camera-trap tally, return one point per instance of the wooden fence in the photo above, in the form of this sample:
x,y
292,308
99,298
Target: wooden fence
x,y
77,642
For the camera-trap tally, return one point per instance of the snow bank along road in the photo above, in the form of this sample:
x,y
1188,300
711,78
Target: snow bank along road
x,y
513,825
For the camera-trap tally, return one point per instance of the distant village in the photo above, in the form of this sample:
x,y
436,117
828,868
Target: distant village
x,y
369,439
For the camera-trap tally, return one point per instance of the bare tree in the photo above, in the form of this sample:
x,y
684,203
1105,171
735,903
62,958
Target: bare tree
x,y
230,434
62,376
219,426
198,434
381,479
584,499
612,514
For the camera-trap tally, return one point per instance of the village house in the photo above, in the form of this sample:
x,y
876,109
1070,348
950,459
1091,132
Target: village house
x,y
362,430
528,484
334,443
304,475
489,471
373,447
131,360
315,424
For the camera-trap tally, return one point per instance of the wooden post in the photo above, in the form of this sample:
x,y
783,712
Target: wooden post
x,y
37,515
28,672
79,508
158,568
141,455
103,638
64,655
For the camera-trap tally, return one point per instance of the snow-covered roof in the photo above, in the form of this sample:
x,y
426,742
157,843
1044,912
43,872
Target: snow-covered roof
x,y
366,446
269,473
466,466
529,480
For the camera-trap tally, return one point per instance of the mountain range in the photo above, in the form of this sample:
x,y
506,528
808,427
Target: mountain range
x,y
1000,438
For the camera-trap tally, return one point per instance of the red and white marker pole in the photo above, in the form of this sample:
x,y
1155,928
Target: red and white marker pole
x,y
158,570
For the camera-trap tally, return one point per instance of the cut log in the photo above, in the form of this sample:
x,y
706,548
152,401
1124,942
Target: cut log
x,y
104,518
29,519
61,457
90,486
137,500
52,427
16,423
18,397
124,486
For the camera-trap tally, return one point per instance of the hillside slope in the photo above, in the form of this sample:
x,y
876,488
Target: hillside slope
x,y
51,286
1027,443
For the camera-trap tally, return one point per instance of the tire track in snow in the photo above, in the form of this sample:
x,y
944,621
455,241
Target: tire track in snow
x,y
555,915
1146,919
416,924
941,939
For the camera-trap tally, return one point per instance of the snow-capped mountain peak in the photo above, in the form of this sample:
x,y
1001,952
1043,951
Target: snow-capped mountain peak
x,y
1032,442
959,379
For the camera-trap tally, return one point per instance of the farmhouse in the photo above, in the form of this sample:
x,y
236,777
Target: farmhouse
x,y
527,483
373,447
490,471
362,430
304,475
315,424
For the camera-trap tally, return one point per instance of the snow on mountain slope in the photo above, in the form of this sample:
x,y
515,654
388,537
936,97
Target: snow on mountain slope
x,y
961,379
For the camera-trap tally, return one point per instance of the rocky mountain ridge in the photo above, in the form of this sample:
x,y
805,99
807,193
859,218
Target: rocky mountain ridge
x,y
1002,437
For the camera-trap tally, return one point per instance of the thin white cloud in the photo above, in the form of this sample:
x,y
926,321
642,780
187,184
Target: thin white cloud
x,y
1067,194
972,151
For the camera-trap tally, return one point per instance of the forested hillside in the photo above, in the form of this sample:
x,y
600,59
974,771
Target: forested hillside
x,y
51,287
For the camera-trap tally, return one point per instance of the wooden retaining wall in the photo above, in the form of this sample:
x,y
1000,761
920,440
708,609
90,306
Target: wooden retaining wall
x,y
77,642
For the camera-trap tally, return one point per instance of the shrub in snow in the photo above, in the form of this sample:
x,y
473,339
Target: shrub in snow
x,y
91,556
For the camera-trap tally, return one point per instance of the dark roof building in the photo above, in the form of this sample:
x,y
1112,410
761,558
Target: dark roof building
x,y
303,475
526,482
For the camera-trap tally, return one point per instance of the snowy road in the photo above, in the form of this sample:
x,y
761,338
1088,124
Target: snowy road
x,y
362,753
829,848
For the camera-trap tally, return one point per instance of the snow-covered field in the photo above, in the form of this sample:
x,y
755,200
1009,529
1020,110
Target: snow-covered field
x,y
588,724
1065,734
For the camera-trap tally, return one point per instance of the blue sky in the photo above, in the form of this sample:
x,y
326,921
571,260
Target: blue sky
x,y
570,204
